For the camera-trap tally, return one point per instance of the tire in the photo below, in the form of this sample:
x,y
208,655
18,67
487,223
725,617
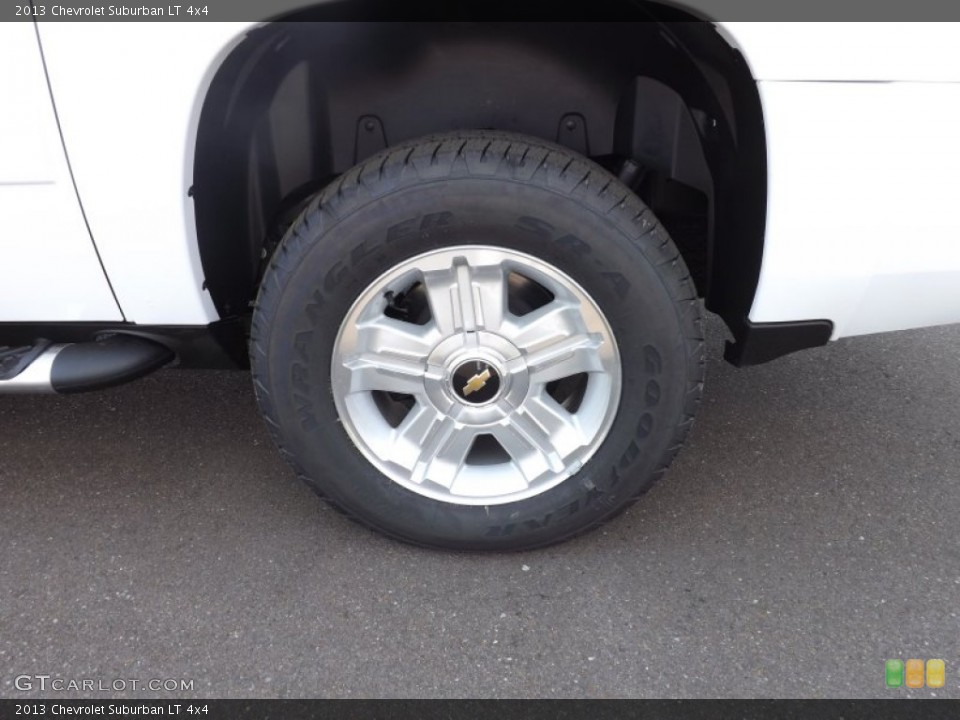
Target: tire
x,y
481,204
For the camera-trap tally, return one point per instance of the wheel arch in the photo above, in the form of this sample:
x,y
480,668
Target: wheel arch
x,y
246,174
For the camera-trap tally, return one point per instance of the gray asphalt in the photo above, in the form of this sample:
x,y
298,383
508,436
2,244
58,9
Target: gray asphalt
x,y
807,533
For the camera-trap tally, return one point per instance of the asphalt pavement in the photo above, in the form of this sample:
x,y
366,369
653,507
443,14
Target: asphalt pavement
x,y
807,533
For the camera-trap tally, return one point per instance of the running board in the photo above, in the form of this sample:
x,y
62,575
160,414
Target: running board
x,y
79,367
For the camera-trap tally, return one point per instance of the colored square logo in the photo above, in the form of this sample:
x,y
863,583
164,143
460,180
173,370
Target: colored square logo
x,y
914,673
894,673
936,673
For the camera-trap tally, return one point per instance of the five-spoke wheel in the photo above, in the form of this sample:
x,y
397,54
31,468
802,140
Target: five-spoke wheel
x,y
476,375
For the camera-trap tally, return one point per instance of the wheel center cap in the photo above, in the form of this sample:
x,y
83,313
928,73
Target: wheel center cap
x,y
476,382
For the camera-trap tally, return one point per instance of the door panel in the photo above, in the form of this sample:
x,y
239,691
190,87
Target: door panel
x,y
49,269
129,113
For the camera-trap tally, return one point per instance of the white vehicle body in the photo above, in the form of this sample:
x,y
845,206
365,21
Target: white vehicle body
x,y
861,141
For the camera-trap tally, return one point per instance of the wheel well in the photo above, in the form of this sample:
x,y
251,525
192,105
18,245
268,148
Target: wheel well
x,y
665,103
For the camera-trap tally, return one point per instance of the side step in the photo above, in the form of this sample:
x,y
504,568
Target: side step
x,y
79,367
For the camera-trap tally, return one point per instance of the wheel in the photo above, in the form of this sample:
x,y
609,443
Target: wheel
x,y
478,341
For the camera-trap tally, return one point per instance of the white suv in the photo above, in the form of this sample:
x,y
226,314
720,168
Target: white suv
x,y
467,261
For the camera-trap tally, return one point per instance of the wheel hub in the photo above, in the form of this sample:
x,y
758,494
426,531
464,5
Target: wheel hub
x,y
476,382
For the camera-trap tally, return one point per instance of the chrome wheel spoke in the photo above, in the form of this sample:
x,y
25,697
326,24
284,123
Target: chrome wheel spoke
x,y
566,357
560,424
385,334
490,293
443,453
430,445
557,343
555,321
387,373
408,438
529,446
464,299
391,357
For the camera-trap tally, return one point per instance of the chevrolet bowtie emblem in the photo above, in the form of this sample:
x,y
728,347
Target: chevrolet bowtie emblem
x,y
477,382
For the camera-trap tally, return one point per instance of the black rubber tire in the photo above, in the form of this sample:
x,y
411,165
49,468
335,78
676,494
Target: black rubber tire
x,y
521,193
